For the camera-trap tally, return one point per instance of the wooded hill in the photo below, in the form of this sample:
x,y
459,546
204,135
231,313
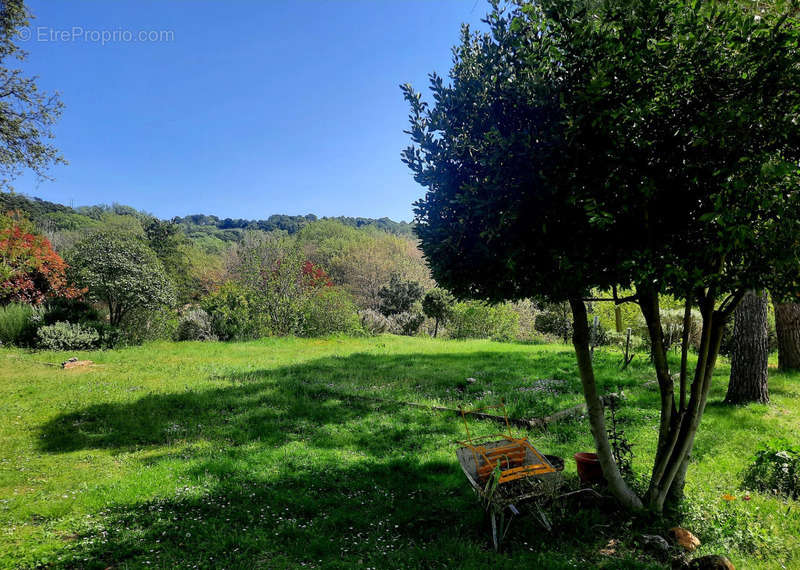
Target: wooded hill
x,y
201,227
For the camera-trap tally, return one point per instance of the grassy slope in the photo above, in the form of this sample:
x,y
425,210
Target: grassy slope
x,y
252,454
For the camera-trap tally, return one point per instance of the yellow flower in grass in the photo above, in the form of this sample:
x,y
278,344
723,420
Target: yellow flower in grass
x,y
728,497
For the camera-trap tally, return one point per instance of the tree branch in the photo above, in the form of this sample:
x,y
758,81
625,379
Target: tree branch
x,y
730,303
617,300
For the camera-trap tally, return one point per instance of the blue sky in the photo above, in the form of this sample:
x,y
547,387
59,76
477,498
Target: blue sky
x,y
250,108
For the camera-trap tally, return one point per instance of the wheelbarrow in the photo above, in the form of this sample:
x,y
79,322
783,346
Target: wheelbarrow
x,y
505,471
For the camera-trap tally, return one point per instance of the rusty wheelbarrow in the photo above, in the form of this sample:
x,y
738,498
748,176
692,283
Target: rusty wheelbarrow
x,y
505,471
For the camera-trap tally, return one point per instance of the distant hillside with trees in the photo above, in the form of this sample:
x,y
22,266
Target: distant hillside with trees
x,y
60,217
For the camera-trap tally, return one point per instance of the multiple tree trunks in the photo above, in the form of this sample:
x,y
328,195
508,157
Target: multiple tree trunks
x,y
750,353
787,325
679,419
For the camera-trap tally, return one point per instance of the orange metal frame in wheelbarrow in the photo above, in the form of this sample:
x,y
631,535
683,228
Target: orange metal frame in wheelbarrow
x,y
510,457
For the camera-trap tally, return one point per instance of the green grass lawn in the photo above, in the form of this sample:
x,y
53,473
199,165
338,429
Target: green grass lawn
x,y
267,454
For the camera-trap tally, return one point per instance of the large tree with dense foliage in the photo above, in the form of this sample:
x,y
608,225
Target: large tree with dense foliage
x,y
26,113
30,270
122,272
644,144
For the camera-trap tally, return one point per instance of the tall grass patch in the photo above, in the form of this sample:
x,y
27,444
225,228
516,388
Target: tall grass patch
x,y
16,323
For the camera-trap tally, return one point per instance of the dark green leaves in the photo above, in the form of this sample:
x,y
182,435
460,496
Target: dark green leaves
x,y
583,145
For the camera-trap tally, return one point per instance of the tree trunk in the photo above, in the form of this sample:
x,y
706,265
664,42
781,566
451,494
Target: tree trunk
x,y
595,411
748,381
436,328
669,483
618,318
678,424
675,493
649,304
787,325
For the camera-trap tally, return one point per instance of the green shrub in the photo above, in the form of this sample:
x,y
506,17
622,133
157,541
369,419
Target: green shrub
x,y
733,525
598,335
67,336
619,340
144,324
234,315
119,269
775,469
15,323
195,324
407,322
71,311
109,335
399,295
672,325
555,319
527,311
87,315
330,311
373,322
475,319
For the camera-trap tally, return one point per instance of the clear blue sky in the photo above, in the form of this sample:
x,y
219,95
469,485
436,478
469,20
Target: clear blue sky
x,y
251,108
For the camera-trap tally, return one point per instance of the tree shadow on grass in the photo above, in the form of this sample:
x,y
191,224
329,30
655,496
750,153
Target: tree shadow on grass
x,y
273,406
391,513
296,472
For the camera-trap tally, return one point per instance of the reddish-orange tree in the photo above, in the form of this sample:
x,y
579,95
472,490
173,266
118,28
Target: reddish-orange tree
x,y
314,276
30,270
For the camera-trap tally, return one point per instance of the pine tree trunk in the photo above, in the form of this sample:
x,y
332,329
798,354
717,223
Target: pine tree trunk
x,y
748,381
787,325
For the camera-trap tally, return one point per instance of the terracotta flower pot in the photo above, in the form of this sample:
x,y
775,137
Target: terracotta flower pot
x,y
589,469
